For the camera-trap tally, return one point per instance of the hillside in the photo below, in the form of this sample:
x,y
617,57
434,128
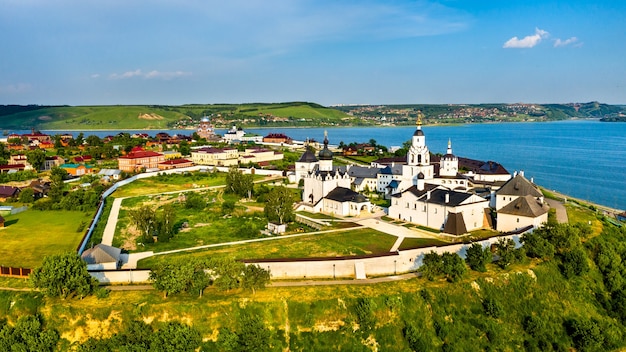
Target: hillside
x,y
292,114
164,117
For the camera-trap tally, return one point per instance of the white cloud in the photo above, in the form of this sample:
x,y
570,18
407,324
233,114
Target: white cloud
x,y
558,42
149,75
528,41
95,76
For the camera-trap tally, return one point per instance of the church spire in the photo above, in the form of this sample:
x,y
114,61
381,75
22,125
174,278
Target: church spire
x,y
449,146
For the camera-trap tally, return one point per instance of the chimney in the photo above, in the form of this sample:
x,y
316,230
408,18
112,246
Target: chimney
x,y
447,198
515,173
428,195
521,172
532,180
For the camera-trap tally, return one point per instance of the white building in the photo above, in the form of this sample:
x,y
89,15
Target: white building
x,y
443,209
516,187
327,188
522,212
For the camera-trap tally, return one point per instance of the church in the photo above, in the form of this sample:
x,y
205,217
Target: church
x,y
327,188
431,193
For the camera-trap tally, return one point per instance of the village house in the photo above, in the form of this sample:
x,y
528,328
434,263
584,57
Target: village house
x,y
77,170
215,156
8,192
278,138
14,168
139,159
52,161
259,155
174,164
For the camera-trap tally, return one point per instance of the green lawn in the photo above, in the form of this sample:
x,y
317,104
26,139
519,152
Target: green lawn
x,y
412,243
170,183
347,243
31,235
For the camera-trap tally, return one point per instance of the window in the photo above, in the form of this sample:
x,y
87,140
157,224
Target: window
x,y
435,211
517,219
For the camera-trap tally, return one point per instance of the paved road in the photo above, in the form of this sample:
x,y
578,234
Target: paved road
x,y
561,212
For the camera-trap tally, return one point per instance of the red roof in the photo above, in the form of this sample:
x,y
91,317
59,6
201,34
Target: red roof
x,y
140,154
11,167
175,162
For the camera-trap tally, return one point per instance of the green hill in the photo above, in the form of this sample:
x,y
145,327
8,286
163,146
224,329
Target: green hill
x,y
92,117
163,117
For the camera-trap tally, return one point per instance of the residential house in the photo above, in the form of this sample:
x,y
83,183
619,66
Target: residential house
x,y
13,168
102,257
215,156
279,138
174,164
139,159
8,192
52,161
77,169
522,212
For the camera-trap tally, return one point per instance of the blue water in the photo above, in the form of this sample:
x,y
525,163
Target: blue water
x,y
583,158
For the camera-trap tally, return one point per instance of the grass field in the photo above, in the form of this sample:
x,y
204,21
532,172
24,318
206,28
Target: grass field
x,y
412,243
169,183
93,117
31,235
117,117
351,242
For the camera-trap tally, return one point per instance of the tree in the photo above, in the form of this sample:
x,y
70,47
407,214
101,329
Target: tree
x,y
574,262
28,334
537,246
63,275
279,206
431,265
145,220
37,158
57,175
94,141
253,334
255,277
505,249
184,148
453,266
27,195
227,272
478,257
175,337
165,222
238,183
172,277
194,200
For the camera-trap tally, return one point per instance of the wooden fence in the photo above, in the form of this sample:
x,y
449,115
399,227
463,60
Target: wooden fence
x,y
14,272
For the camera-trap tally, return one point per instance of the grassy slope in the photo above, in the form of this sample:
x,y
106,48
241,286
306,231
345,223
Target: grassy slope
x,y
126,117
351,242
31,235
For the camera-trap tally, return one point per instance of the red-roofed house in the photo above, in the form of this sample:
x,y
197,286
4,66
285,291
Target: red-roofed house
x,y
139,159
175,164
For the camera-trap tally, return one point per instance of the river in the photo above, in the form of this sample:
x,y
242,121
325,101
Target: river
x,y
582,158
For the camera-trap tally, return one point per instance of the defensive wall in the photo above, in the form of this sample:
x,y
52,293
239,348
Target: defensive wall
x,y
365,266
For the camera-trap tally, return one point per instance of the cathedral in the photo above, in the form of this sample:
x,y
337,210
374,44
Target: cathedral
x,y
431,193
327,187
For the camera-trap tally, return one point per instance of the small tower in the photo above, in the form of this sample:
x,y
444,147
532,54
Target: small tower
x,y
326,156
449,165
418,153
306,163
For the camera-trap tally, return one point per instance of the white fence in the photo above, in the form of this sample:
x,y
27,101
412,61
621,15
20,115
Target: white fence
x,y
391,264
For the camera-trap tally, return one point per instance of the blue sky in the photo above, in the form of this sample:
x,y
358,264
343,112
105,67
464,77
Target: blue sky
x,y
82,52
